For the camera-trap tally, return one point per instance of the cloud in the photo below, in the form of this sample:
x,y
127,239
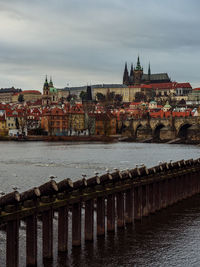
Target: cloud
x,y
79,42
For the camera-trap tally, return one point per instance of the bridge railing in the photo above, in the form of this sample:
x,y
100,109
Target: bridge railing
x,y
124,196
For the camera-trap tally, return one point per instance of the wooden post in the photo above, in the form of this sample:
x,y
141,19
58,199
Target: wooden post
x,y
129,201
151,198
100,216
76,224
111,212
31,240
137,202
12,244
120,209
144,201
47,234
63,228
89,219
157,196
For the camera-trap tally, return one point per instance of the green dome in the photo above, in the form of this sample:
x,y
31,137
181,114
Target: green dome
x,y
53,90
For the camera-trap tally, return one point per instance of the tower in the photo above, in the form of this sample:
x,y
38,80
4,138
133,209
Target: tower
x,y
50,82
131,77
149,73
46,93
125,76
138,72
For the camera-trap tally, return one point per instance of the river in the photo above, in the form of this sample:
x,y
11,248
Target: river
x,y
169,238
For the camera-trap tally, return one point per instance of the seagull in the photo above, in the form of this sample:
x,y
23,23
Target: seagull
x,y
84,175
52,177
107,170
96,173
14,187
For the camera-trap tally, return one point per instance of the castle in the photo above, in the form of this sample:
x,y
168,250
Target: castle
x,y
137,77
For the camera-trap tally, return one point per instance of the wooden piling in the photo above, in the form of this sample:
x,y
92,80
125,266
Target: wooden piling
x,y
47,234
129,205
111,212
100,216
12,244
31,240
137,202
89,219
120,209
76,224
63,228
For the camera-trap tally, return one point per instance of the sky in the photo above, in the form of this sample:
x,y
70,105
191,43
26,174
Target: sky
x,y
88,42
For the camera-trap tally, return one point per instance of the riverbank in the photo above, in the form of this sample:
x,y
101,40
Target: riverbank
x,y
104,139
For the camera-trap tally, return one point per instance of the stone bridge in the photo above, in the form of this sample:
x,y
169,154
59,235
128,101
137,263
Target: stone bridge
x,y
165,129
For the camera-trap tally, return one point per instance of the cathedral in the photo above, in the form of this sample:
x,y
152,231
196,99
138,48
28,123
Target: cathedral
x,y
137,77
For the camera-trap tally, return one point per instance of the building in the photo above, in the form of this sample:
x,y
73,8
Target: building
x,y
137,77
6,94
28,95
50,93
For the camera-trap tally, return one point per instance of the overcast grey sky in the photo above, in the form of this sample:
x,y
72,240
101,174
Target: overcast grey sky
x,y
80,42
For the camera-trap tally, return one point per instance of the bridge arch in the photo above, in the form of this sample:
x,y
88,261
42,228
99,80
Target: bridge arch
x,y
182,131
156,131
139,125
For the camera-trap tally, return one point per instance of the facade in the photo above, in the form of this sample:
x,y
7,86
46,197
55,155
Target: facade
x,y
105,124
29,95
137,76
6,94
50,93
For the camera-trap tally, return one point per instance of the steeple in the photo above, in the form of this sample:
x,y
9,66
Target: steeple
x,y
149,72
51,83
125,76
46,81
131,71
138,67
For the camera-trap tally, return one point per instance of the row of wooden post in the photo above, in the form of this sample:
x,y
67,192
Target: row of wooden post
x,y
117,208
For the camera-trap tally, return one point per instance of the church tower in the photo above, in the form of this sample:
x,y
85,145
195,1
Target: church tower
x,y
46,95
126,76
138,72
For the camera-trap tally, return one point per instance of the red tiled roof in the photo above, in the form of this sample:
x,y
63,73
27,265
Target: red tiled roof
x,y
196,89
183,85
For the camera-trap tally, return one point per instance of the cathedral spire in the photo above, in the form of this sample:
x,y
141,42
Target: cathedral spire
x,y
138,67
149,71
131,71
125,76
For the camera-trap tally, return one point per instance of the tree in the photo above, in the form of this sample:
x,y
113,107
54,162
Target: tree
x,y
21,98
83,95
100,97
140,96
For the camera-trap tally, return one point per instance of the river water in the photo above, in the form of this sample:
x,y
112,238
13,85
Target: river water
x,y
169,238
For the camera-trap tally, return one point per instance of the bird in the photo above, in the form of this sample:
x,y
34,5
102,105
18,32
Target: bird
x,y
14,187
2,193
84,175
52,177
107,170
96,173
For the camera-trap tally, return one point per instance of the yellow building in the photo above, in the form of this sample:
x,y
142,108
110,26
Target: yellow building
x,y
3,128
127,92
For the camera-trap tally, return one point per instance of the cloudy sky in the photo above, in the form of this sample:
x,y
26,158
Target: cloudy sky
x,y
80,42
